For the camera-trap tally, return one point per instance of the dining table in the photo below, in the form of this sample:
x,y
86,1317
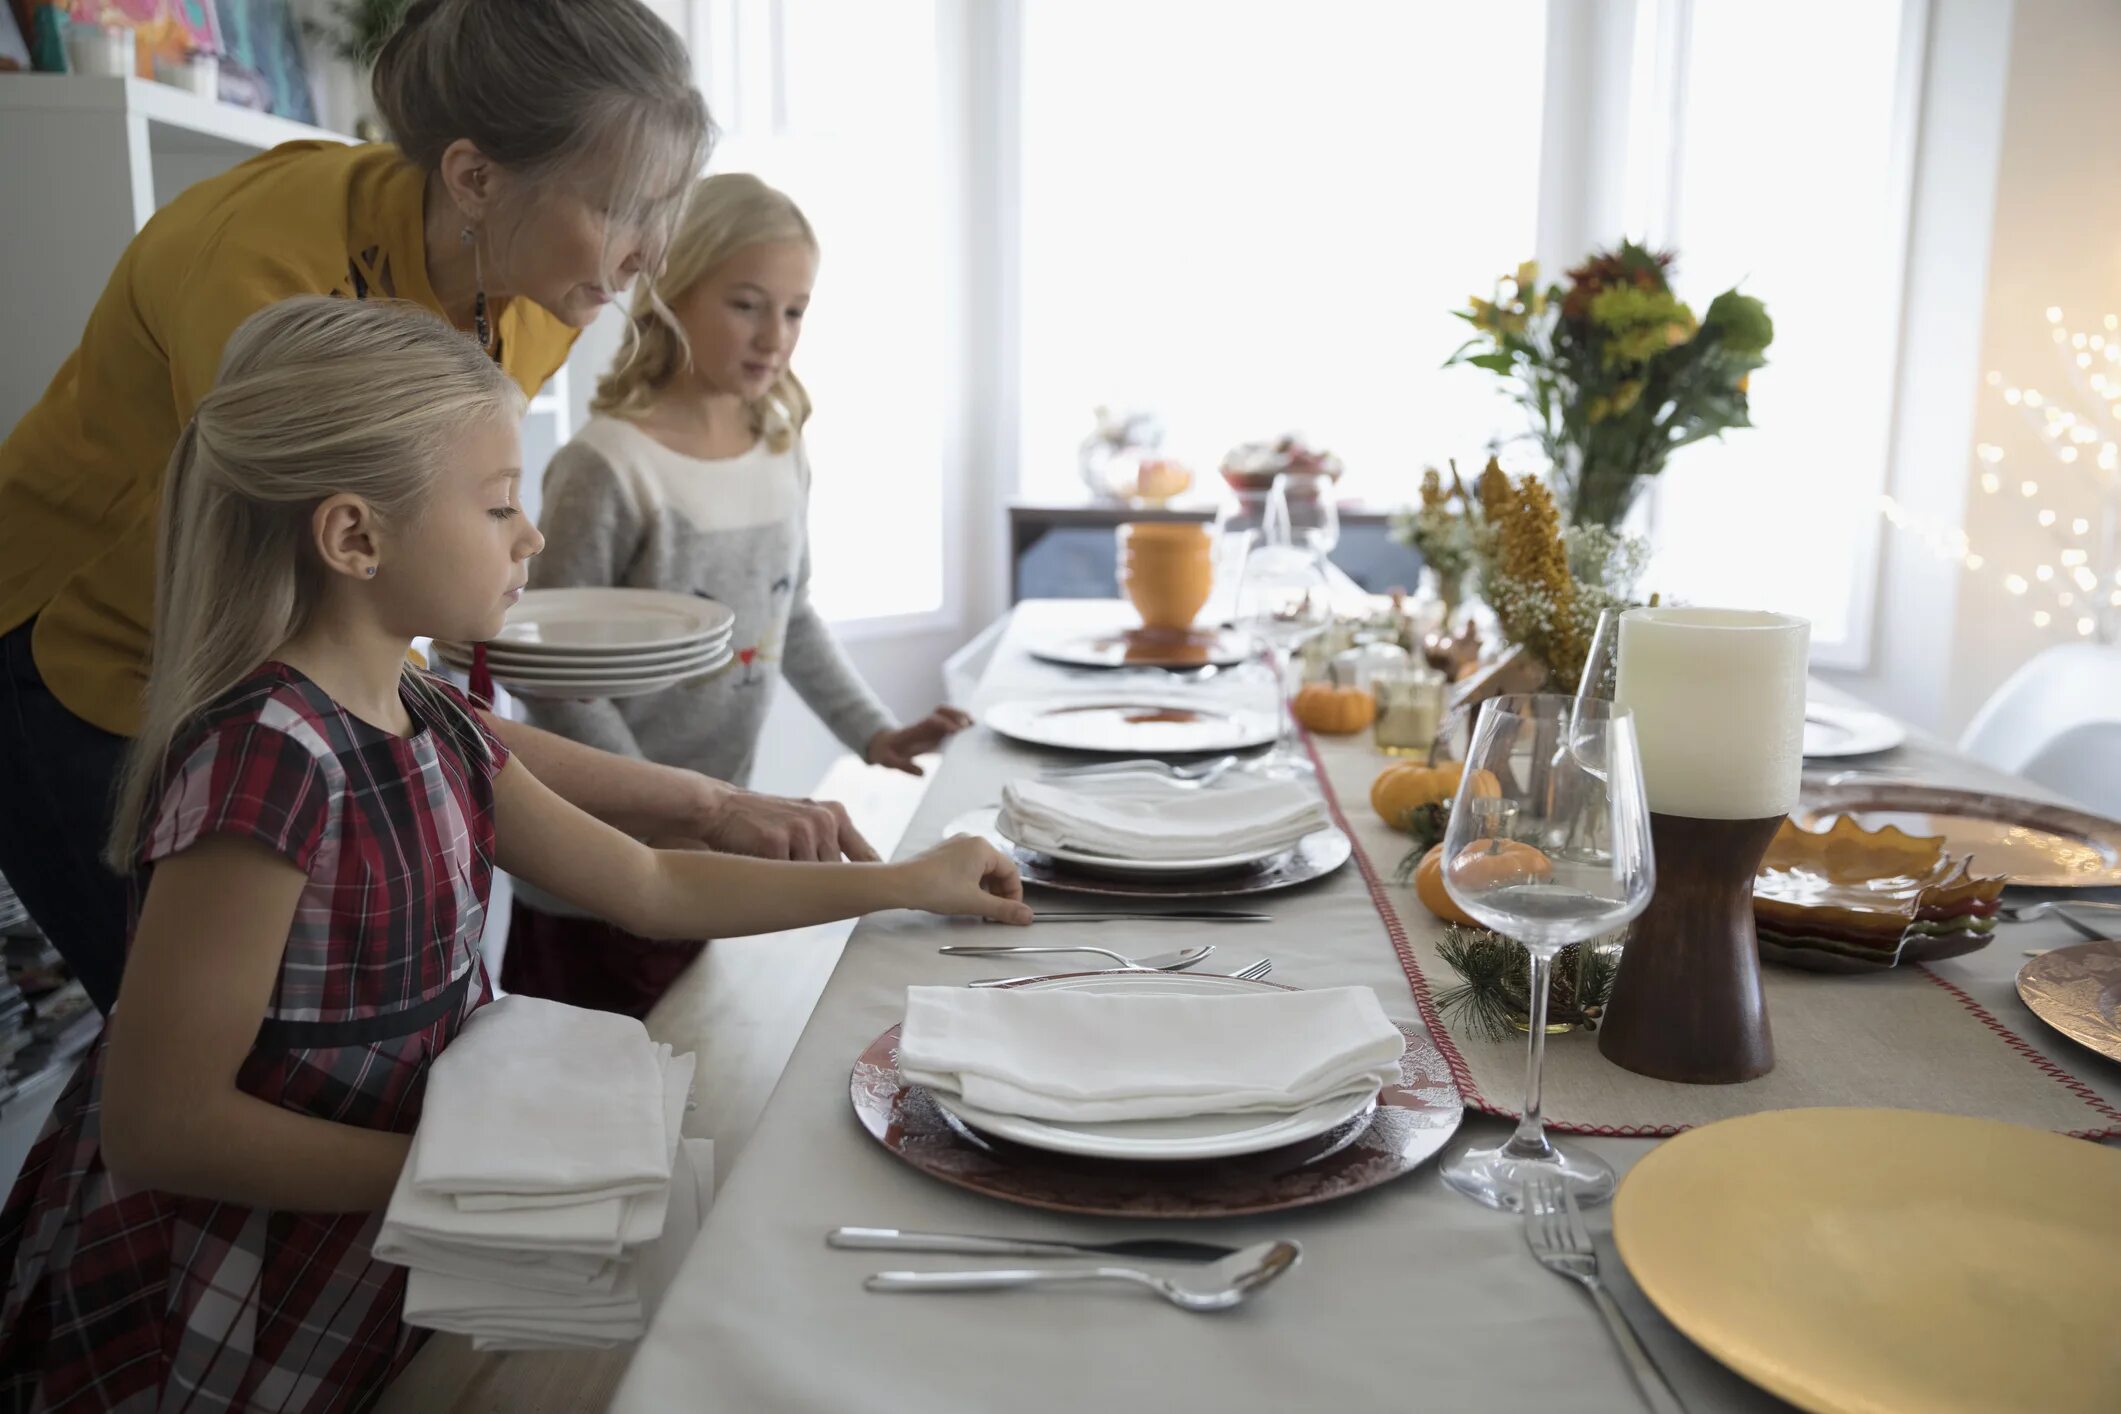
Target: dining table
x,y
1408,1296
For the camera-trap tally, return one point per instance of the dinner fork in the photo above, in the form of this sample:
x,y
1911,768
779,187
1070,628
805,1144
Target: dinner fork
x,y
2033,912
1250,973
1195,774
1554,1230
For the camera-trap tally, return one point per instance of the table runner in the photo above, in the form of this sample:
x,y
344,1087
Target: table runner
x,y
1905,1039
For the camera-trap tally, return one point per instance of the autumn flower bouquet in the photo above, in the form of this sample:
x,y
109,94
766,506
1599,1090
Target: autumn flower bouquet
x,y
1615,371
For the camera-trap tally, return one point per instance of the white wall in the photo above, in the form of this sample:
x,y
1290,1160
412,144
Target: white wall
x,y
2057,241
2017,207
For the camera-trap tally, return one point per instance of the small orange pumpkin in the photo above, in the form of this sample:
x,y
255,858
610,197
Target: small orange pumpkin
x,y
1428,887
1335,710
1401,789
1484,863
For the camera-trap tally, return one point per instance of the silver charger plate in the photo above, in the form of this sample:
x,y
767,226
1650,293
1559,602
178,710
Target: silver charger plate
x,y
1313,857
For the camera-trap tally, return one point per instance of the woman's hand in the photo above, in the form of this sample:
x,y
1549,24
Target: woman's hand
x,y
967,876
897,748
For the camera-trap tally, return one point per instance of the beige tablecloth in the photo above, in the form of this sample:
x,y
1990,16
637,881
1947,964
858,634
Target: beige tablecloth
x,y
1409,1297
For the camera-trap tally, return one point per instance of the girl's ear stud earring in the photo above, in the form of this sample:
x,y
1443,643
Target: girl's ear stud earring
x,y
371,571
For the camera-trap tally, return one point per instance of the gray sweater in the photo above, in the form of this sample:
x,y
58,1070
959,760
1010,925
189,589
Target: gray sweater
x,y
623,509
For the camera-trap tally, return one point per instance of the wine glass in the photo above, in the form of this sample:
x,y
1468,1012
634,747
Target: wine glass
x,y
1283,602
1301,511
1549,848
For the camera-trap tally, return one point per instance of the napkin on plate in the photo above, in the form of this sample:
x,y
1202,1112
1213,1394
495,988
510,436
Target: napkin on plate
x,y
1087,1057
1144,817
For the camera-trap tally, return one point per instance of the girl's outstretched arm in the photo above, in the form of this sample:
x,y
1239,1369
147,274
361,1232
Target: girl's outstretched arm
x,y
197,982
696,894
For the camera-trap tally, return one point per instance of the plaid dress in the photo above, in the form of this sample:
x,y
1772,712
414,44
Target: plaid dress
x,y
138,1300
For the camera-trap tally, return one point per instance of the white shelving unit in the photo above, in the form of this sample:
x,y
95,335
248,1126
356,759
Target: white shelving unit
x,y
87,161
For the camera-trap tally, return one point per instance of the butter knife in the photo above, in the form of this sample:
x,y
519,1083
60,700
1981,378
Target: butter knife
x,y
891,1239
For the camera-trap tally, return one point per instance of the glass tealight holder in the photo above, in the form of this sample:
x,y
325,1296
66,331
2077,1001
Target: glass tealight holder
x,y
1409,710
1362,665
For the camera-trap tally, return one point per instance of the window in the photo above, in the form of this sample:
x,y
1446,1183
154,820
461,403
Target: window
x,y
836,103
1797,191
1256,217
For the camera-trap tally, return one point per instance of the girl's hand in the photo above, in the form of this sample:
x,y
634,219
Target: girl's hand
x,y
897,749
967,876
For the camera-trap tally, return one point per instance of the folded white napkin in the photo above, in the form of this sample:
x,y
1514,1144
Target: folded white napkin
x,y
499,1316
536,1102
1087,1057
570,1248
1139,817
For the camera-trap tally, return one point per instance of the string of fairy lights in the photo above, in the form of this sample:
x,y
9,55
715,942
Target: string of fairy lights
x,y
2078,586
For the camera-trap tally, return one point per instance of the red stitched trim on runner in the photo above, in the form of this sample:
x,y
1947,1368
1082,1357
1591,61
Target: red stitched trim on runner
x,y
2039,1060
1462,1075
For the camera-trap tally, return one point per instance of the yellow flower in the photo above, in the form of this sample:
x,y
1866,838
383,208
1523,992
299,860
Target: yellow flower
x,y
1528,275
1626,396
1598,411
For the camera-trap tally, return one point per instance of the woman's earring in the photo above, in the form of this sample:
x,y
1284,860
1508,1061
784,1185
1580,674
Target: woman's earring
x,y
478,298
371,571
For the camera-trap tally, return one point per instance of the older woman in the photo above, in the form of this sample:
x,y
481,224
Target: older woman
x,y
542,151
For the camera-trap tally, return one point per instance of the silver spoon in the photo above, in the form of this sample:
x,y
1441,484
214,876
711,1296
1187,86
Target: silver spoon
x,y
1157,962
1218,1287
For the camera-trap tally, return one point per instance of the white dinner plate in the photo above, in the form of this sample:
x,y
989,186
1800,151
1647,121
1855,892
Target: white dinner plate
x,y
1137,868
681,668
617,661
1848,731
1132,724
607,687
1162,1140
602,620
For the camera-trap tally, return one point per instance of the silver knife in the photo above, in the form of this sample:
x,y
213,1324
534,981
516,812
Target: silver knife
x,y
891,1239
1193,915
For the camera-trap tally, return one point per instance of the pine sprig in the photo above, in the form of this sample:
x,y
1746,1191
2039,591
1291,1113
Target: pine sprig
x,y
1490,1001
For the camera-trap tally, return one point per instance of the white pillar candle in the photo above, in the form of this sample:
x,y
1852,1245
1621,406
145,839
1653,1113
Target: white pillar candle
x,y
1718,698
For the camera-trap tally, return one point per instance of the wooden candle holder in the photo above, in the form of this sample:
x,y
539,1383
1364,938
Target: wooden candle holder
x,y
1686,1004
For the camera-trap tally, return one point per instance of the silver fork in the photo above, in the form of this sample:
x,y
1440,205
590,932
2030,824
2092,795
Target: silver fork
x,y
1252,973
1554,1230
1198,773
2033,912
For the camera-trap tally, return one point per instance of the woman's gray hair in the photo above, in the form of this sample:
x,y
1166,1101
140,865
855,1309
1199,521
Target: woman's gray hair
x,y
594,92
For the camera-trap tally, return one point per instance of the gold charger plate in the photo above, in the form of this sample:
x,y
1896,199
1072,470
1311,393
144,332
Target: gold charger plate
x,y
2077,990
2036,845
1861,1261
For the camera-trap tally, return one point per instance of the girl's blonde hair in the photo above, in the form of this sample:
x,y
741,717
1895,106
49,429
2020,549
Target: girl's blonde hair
x,y
728,213
596,94
316,397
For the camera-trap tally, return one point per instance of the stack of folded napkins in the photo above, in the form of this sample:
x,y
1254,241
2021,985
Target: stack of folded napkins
x,y
547,1199
1147,818
1085,1057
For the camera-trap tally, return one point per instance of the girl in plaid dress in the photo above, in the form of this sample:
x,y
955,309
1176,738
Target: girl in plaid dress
x,y
314,824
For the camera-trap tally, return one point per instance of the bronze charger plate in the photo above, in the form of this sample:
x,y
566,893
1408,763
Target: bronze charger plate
x,y
2038,846
2077,990
1411,1123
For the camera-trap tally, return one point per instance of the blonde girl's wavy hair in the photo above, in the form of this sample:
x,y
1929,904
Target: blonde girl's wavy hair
x,y
316,397
728,212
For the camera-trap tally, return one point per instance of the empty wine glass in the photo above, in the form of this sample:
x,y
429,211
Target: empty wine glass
x,y
1548,847
1283,602
1301,511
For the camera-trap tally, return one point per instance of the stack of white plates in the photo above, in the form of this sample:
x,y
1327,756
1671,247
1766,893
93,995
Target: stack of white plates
x,y
603,643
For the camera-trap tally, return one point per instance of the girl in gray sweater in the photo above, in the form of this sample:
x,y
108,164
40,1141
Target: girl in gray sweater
x,y
691,477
